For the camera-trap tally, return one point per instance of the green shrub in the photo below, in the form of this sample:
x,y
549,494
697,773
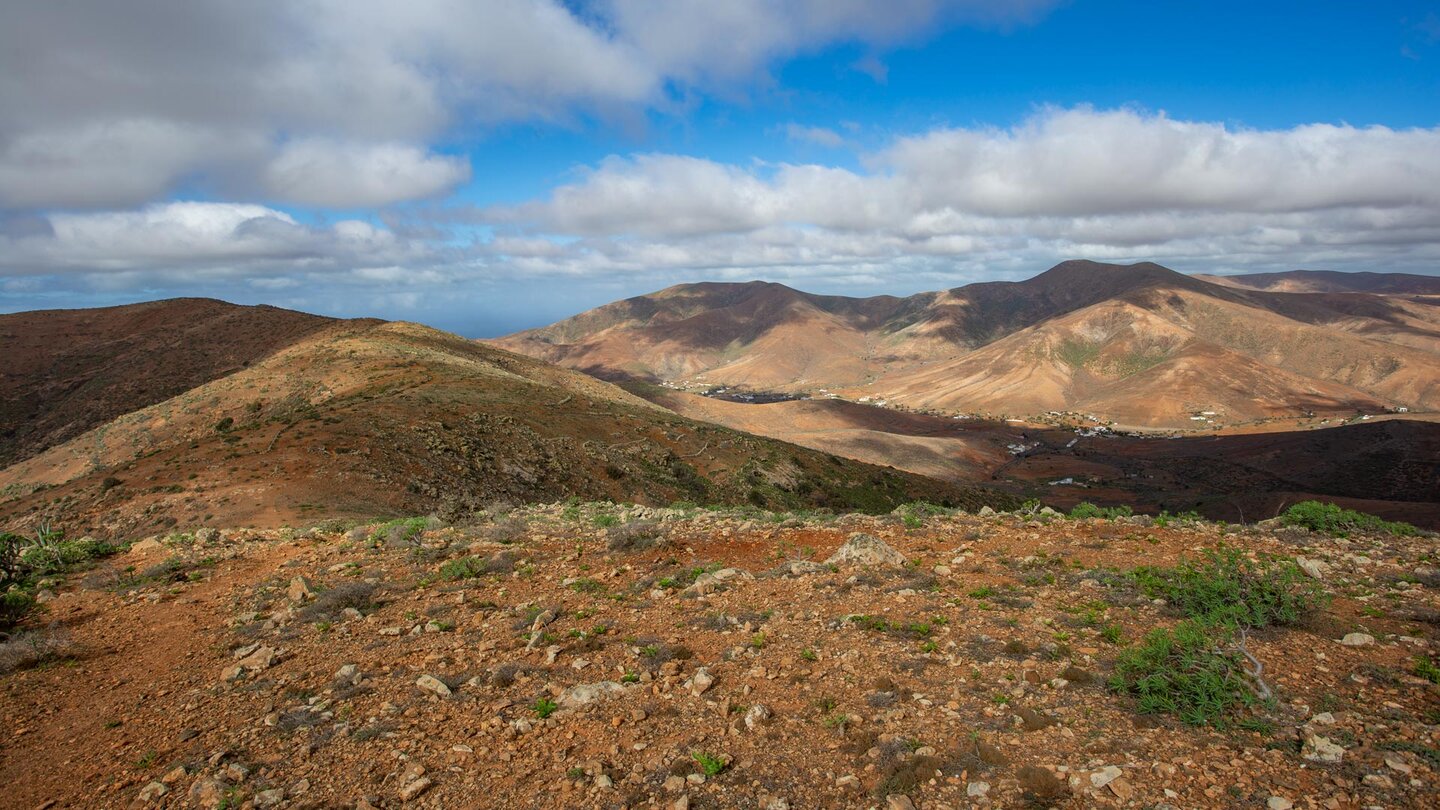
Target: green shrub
x,y
1184,672
14,604
400,532
1427,669
1327,518
1085,509
1164,519
709,765
52,554
544,707
1196,670
501,562
464,568
1228,588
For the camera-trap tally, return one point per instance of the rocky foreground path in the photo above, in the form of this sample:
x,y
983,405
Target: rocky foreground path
x,y
602,656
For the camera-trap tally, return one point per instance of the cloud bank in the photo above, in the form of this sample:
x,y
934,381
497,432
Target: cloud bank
x,y
1105,184
338,103
942,206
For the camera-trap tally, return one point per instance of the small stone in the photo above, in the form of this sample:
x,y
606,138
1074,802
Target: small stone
x,y
207,794
866,549
1397,764
261,659
1312,568
1279,802
430,683
1121,788
151,792
584,694
756,715
604,782
415,788
700,682
269,798
300,590
673,784
145,546
975,790
1321,749
1104,776
174,775
848,782
682,803
897,801
1358,640
985,511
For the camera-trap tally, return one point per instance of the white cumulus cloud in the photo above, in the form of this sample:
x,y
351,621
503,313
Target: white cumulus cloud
x,y
105,103
1067,182
325,173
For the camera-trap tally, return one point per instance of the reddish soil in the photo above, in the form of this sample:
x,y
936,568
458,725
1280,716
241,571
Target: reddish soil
x,y
981,674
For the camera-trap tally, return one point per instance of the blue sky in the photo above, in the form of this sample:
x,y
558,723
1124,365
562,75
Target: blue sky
x,y
492,165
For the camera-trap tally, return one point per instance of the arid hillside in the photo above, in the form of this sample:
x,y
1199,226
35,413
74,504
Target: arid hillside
x,y
369,418
1139,345
64,372
596,656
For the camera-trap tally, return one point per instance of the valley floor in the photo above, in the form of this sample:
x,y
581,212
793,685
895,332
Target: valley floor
x,y
396,665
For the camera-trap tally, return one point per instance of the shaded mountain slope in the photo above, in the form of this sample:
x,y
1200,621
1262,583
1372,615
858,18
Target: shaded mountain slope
x,y
64,372
1387,467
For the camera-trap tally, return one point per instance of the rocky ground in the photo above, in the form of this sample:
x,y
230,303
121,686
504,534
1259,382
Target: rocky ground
x,y
603,656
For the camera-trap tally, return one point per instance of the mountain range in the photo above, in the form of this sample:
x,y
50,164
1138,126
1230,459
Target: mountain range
x,y
1136,345
132,420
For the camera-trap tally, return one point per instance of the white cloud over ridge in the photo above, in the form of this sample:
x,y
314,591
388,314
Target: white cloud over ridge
x,y
1076,182
932,209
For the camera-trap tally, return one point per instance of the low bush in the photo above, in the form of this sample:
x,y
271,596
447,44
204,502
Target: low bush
x,y
637,535
401,532
332,601
1185,672
25,561
1327,518
1085,509
27,650
1228,588
1197,670
14,604
476,566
